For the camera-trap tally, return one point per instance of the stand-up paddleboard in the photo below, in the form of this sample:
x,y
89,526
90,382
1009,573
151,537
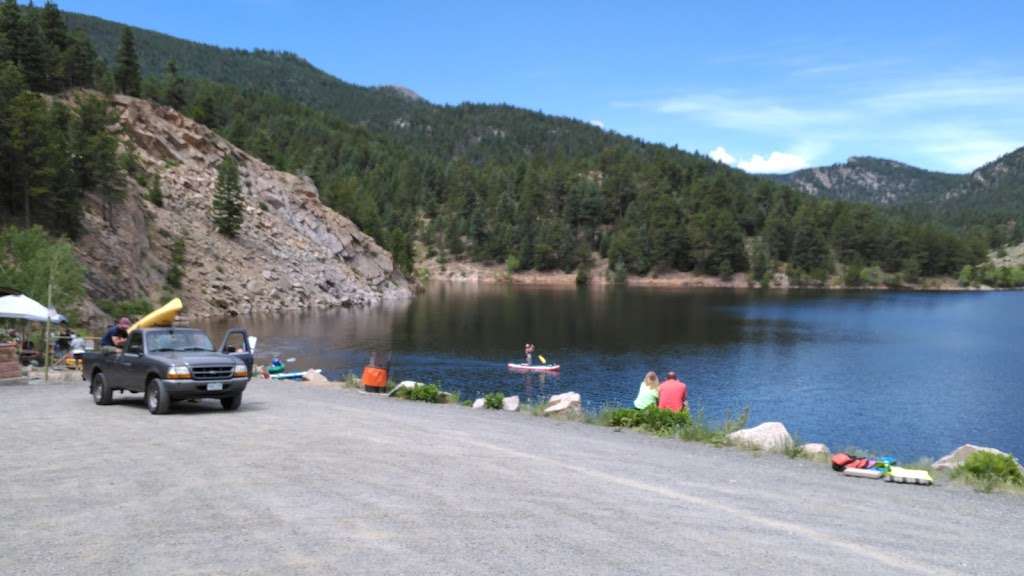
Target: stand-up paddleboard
x,y
534,367
162,316
292,375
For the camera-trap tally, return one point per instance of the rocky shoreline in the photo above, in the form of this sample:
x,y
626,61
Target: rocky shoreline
x,y
478,273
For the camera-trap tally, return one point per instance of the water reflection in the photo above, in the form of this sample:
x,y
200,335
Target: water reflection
x,y
908,372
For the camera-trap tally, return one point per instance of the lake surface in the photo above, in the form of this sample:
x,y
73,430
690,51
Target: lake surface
x,y
909,374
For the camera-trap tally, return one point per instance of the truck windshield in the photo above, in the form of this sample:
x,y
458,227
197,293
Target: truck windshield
x,y
178,342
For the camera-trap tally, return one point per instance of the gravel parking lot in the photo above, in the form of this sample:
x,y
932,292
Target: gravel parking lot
x,y
316,481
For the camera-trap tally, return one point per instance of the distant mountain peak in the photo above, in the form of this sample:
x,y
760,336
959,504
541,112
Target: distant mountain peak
x,y
407,93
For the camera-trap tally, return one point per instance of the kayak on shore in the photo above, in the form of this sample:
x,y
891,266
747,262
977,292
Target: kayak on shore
x,y
534,367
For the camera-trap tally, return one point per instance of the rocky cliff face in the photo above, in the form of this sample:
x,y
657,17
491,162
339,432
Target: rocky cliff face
x,y
291,253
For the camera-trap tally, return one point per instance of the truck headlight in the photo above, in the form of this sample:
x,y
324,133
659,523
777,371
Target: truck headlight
x,y
179,373
241,371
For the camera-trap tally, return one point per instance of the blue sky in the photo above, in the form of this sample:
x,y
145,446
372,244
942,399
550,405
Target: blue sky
x,y
768,86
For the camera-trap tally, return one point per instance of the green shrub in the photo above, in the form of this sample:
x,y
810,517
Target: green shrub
x,y
176,271
512,263
872,276
131,308
494,400
987,471
650,419
430,393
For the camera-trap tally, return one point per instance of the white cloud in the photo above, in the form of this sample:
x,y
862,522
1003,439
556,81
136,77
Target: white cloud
x,y
954,122
775,163
597,123
722,155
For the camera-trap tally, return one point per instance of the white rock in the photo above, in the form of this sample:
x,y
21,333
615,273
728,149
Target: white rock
x,y
957,457
478,403
510,403
314,377
563,402
815,448
770,437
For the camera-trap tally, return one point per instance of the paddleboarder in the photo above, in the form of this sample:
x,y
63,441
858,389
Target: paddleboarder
x,y
529,354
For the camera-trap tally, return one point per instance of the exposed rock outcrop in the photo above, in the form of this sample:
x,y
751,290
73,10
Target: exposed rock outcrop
x,y
291,253
957,457
770,437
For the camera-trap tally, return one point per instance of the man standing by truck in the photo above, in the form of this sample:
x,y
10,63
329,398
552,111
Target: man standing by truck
x,y
115,338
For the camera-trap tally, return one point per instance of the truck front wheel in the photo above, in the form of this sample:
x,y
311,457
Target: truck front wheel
x,y
100,390
232,403
157,399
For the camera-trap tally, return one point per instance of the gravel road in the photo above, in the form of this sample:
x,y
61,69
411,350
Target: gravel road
x,y
315,481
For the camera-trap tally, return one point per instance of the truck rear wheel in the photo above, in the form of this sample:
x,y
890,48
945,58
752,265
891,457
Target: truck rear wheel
x,y
100,390
157,399
232,403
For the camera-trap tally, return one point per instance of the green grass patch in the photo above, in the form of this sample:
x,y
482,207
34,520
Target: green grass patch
x,y
987,471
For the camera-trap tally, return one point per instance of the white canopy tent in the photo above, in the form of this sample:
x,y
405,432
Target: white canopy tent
x,y
21,307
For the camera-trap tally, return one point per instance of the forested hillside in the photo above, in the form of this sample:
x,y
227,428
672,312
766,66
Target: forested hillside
x,y
497,183
990,198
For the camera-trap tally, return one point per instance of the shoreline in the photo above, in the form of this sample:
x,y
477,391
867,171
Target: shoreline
x,y
477,273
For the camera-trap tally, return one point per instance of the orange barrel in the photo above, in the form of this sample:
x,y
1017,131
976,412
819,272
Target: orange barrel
x,y
375,379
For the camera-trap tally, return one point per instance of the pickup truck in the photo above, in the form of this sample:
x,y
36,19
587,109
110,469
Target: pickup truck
x,y
171,364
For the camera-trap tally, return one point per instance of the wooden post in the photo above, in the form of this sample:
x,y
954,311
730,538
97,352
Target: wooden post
x,y
49,307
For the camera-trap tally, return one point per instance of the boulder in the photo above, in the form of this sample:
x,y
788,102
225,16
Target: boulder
x,y
566,402
770,437
510,403
314,377
478,404
815,448
957,457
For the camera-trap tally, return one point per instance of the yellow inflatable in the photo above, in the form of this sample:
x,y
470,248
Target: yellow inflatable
x,y
162,316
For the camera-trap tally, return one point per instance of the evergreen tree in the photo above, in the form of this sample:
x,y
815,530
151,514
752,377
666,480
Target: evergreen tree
x,y
810,251
10,30
34,55
778,232
79,62
227,199
54,27
154,192
128,74
174,87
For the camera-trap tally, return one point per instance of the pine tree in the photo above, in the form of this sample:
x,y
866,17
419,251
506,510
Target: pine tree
x,y
34,55
175,87
227,199
128,75
79,62
810,251
54,28
10,30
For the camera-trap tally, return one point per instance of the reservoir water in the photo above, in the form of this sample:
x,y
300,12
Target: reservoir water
x,y
908,374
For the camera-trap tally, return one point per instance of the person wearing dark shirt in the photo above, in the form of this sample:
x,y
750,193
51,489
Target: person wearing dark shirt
x,y
117,335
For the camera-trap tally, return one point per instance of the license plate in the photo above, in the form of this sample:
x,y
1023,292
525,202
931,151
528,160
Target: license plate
x,y
214,386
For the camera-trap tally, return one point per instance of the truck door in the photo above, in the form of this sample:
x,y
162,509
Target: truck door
x,y
236,343
129,373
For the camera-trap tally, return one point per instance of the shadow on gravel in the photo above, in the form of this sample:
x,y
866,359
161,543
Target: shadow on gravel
x,y
185,407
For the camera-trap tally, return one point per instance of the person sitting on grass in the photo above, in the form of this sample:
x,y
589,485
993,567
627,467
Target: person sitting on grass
x,y
672,394
648,393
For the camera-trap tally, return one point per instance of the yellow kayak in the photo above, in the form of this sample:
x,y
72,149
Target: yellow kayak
x,y
162,316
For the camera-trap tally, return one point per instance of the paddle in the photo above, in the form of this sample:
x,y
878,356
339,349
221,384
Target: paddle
x,y
543,360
